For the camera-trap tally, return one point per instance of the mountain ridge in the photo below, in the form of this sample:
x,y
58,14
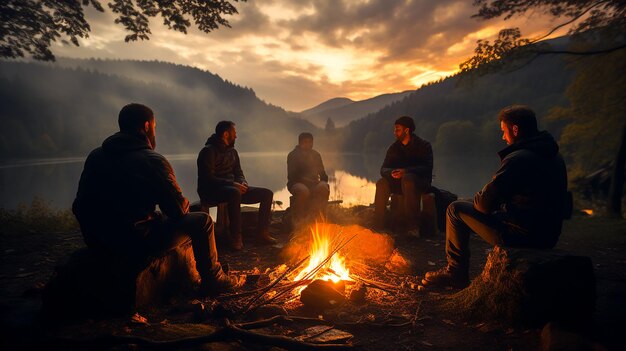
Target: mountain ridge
x,y
342,111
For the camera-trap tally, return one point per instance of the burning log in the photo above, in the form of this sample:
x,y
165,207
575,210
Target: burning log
x,y
322,294
305,276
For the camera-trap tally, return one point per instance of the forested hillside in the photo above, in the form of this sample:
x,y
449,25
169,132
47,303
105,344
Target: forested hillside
x,y
458,116
68,108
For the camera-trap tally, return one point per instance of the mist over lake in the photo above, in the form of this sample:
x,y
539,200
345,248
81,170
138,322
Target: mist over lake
x,y
352,176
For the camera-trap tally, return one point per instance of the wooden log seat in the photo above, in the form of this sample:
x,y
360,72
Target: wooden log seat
x,y
93,284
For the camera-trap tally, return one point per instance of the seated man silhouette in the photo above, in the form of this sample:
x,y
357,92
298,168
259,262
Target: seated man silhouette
x,y
522,206
221,179
406,170
120,186
306,179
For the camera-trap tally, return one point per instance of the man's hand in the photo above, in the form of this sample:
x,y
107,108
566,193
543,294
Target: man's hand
x,y
241,187
397,173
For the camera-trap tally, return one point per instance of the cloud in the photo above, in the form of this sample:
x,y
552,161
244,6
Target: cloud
x,y
296,54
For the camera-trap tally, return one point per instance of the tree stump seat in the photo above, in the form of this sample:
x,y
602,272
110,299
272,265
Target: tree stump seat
x,y
93,284
530,287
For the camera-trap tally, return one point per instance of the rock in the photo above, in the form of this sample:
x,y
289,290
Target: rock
x,y
96,285
324,334
358,294
321,295
531,287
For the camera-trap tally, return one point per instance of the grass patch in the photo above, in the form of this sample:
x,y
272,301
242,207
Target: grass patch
x,y
37,217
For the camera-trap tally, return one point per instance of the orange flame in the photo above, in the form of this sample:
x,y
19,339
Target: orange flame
x,y
588,211
321,246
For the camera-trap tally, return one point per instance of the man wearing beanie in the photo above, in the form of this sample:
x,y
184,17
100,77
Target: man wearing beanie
x,y
407,170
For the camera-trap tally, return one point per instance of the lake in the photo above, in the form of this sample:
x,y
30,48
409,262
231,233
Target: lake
x,y
352,176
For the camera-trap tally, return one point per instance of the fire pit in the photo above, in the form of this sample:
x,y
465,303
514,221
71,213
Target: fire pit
x,y
331,261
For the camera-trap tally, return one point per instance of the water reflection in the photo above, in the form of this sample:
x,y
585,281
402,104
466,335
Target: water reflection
x,y
351,189
352,176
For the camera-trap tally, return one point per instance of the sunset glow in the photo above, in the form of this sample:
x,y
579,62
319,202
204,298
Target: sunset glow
x,y
297,56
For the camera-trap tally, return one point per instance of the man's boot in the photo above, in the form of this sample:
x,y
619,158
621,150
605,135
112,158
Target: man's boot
x,y
447,277
236,242
218,283
264,237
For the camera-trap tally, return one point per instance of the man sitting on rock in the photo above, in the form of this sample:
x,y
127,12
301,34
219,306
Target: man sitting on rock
x,y
306,178
120,186
407,170
221,179
522,206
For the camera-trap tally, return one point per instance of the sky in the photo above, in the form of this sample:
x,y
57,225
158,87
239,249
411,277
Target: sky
x,y
298,53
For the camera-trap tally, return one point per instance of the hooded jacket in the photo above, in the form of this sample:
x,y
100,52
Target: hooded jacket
x,y
529,188
120,186
416,157
305,166
218,166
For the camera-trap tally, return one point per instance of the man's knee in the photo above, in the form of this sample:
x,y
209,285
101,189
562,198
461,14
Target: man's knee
x,y
199,221
322,189
300,191
232,195
409,180
382,184
266,194
458,207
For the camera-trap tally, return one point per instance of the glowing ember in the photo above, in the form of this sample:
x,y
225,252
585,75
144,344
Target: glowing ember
x,y
588,211
321,246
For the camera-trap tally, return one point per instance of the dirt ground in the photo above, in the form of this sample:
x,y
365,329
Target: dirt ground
x,y
28,260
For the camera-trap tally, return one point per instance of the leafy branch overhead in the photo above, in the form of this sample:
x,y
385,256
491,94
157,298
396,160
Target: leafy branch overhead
x,y
30,27
606,17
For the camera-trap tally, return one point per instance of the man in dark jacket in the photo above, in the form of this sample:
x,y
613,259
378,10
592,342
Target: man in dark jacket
x,y
306,178
522,206
120,186
221,179
407,170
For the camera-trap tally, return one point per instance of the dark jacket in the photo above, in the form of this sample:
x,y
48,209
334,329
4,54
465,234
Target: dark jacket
x,y
120,186
529,189
415,157
305,166
218,166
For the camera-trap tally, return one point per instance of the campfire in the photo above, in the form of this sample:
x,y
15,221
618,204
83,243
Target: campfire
x,y
330,264
325,260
